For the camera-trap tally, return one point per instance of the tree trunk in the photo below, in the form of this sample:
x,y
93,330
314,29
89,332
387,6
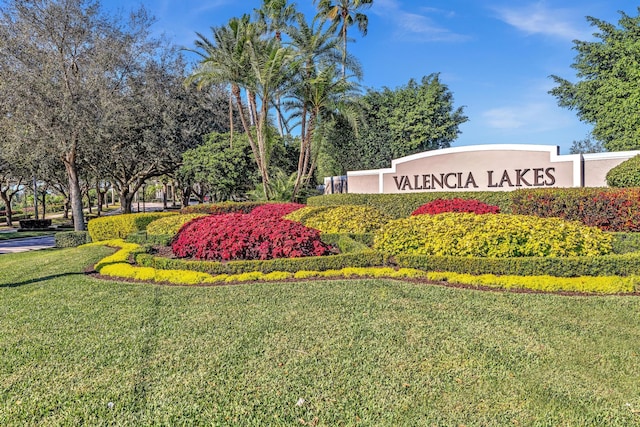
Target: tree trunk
x,y
6,198
43,202
126,199
75,194
185,196
100,197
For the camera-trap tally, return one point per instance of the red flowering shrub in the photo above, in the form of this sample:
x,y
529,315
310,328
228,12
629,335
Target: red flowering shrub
x,y
607,208
245,237
275,210
456,205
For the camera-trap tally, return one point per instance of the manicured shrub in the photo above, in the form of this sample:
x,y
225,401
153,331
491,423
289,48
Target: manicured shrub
x,y
456,205
626,242
120,226
401,205
341,219
170,225
545,283
605,265
221,208
626,174
500,235
607,208
71,239
320,263
275,210
242,237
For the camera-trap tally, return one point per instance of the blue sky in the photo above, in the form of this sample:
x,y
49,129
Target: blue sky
x,y
495,55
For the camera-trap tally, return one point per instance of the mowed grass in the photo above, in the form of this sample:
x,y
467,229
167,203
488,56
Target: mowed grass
x,y
75,350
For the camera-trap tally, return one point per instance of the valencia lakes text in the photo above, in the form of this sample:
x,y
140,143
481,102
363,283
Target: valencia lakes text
x,y
535,177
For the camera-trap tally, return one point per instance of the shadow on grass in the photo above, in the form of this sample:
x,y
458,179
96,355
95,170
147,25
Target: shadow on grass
x,y
42,279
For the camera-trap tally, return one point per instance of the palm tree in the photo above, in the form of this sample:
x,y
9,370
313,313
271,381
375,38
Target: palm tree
x,y
239,57
224,61
276,17
318,90
347,13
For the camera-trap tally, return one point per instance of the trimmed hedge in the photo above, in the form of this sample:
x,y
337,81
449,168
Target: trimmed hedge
x,y
402,205
606,265
71,239
610,209
321,263
498,236
347,243
341,219
221,208
143,238
626,174
170,225
607,208
624,243
120,226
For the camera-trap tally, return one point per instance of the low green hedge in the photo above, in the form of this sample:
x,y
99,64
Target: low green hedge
x,y
71,239
347,242
221,208
606,265
624,243
120,226
322,263
144,238
402,205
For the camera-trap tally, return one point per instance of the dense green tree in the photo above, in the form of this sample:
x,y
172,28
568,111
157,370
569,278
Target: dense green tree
x,y
626,174
224,172
607,93
587,145
423,117
396,123
62,61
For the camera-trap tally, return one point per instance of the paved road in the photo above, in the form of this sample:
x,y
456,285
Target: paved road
x,y
26,244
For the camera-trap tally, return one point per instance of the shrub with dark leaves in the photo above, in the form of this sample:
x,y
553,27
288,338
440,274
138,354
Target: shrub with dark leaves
x,y
245,237
456,205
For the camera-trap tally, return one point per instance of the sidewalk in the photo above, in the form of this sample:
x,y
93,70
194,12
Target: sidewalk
x,y
27,244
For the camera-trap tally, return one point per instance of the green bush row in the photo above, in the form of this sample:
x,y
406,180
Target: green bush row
x,y
322,263
606,265
144,238
402,205
625,242
348,243
611,209
170,225
340,219
71,239
221,208
491,235
120,226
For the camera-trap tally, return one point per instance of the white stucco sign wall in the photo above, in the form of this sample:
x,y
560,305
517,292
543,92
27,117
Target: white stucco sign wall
x,y
487,168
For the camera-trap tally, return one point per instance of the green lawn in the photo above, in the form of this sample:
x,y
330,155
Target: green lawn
x,y
75,350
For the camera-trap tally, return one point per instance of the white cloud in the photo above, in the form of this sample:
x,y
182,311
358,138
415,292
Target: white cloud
x,y
537,18
410,26
532,117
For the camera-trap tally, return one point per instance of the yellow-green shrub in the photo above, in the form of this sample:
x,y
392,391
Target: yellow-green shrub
x,y
341,219
499,235
170,225
120,226
603,284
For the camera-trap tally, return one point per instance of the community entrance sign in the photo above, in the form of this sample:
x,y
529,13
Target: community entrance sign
x,y
488,168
